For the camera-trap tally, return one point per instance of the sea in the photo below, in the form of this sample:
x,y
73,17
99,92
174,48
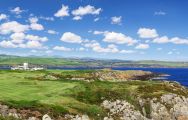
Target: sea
x,y
172,74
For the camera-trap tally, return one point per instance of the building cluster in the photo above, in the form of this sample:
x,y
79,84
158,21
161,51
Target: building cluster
x,y
26,66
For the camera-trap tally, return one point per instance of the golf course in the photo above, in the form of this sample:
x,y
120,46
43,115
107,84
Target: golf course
x,y
56,93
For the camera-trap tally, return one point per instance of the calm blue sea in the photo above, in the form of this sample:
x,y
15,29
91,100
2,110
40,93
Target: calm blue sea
x,y
175,74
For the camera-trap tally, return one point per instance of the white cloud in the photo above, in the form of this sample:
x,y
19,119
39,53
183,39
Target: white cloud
x,y
160,13
99,32
12,26
96,47
20,40
142,46
173,52
36,38
91,44
169,53
109,49
116,20
118,38
3,17
16,10
34,25
177,40
52,32
71,38
81,11
96,19
17,37
77,18
62,48
64,11
163,39
46,18
81,49
31,45
147,33
127,51
7,44
34,44
174,40
33,20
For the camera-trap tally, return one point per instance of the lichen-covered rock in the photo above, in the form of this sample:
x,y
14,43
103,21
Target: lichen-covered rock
x,y
159,111
177,104
123,109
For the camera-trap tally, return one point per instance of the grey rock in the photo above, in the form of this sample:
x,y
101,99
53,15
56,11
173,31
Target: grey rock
x,y
46,117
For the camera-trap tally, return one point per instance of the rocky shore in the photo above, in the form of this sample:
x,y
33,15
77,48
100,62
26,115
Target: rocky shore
x,y
104,75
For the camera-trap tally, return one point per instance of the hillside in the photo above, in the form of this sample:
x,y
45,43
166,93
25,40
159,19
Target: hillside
x,y
86,62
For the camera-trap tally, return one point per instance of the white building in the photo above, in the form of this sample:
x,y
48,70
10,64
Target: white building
x,y
26,66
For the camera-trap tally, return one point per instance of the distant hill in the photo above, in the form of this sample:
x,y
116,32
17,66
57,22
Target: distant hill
x,y
84,62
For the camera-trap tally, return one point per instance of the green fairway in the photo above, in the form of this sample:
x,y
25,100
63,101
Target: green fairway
x,y
24,89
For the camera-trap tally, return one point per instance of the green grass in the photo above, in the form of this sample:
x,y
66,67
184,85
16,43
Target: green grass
x,y
8,118
75,97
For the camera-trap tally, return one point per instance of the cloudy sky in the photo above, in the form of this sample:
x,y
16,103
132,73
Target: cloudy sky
x,y
111,29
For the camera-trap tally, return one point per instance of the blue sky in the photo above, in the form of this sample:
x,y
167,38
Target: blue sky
x,y
110,29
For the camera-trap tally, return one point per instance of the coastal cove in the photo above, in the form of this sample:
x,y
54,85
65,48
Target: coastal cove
x,y
172,74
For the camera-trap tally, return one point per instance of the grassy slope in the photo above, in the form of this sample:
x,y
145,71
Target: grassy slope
x,y
75,97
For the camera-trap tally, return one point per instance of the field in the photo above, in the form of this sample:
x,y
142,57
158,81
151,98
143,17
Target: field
x,y
28,90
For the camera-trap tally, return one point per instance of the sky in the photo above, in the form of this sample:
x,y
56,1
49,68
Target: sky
x,y
103,29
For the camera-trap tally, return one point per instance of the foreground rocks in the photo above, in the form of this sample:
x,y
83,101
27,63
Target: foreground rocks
x,y
167,107
5,112
122,109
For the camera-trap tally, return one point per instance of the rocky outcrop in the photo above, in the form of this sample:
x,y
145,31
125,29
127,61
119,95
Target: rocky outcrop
x,y
113,75
178,106
46,117
158,111
102,75
122,109
167,107
5,112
